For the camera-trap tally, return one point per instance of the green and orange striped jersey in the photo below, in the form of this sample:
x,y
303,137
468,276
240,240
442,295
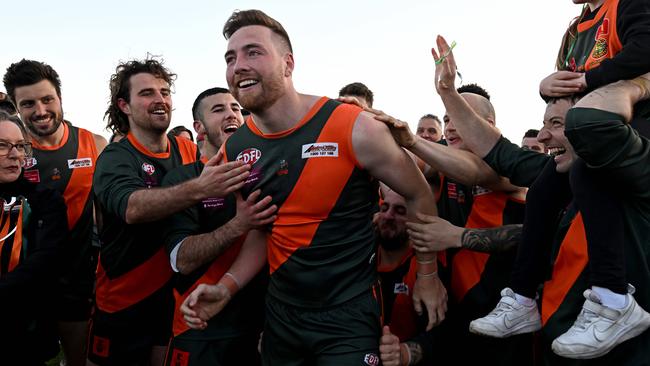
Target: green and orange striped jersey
x,y
321,248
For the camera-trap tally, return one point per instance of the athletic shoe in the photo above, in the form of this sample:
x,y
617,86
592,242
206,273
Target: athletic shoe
x,y
508,318
598,328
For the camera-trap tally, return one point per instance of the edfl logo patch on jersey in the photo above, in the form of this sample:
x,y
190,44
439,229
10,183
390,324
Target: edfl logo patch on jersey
x,y
320,150
80,163
148,168
371,359
30,163
249,156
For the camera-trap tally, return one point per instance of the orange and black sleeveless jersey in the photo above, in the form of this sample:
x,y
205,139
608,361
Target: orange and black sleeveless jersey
x,y
133,262
244,313
477,207
68,168
321,247
478,278
397,291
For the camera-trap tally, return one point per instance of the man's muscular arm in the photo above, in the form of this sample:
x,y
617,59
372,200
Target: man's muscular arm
x,y
197,250
377,152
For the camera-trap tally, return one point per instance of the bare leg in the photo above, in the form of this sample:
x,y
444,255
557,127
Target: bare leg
x,y
74,339
158,355
619,97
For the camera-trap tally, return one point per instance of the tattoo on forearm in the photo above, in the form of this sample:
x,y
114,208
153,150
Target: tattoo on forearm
x,y
416,352
492,240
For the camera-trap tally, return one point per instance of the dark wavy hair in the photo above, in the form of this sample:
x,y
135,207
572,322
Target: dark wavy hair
x,y
120,87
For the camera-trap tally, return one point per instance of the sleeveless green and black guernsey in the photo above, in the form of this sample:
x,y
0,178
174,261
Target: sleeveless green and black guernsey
x,y
68,169
321,247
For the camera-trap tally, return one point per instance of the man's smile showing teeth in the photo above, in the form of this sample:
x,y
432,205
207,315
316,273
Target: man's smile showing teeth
x,y
246,83
555,151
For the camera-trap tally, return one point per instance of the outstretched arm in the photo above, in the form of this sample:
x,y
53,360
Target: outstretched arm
x,y
436,234
477,133
462,166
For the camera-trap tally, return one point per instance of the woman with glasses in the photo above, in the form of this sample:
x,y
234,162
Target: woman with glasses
x,y
33,226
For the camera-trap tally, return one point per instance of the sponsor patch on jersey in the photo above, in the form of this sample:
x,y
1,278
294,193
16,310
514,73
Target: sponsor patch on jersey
x,y
401,288
452,193
148,168
320,150
371,359
215,202
32,176
30,163
284,168
80,163
249,156
56,174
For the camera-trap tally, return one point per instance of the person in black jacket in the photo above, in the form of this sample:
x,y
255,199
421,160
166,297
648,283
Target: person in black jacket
x,y
33,226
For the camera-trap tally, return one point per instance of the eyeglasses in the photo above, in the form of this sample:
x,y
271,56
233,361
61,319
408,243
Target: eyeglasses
x,y
24,148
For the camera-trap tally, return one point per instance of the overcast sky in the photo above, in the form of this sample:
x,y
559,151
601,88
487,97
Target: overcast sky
x,y
380,43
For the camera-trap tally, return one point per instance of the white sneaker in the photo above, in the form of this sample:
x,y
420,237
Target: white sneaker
x,y
598,328
508,318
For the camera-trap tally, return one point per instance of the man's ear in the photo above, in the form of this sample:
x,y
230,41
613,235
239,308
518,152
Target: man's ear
x,y
198,127
289,64
124,106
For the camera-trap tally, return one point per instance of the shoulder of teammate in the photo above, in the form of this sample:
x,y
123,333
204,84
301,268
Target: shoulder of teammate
x,y
100,142
188,149
182,173
372,141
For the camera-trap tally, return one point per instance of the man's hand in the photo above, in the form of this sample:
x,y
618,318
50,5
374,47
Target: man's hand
x,y
218,180
445,75
351,100
562,83
432,293
433,234
203,303
254,215
398,129
389,349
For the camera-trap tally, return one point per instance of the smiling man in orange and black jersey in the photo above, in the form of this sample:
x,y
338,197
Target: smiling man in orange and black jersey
x,y
317,159
204,240
132,322
64,159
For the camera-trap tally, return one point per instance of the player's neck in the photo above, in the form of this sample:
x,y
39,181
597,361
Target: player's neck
x,y
285,113
50,140
392,258
152,140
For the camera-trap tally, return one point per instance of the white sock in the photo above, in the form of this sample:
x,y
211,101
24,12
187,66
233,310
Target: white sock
x,y
523,300
610,298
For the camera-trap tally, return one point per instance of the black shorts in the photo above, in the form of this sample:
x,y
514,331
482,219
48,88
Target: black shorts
x,y
74,305
218,352
346,334
126,337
